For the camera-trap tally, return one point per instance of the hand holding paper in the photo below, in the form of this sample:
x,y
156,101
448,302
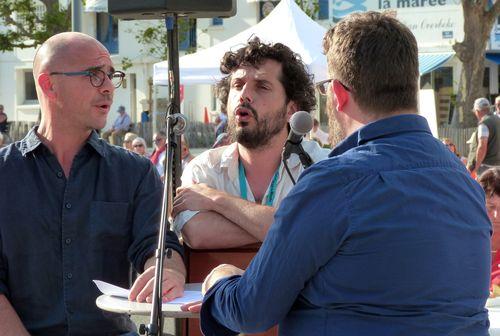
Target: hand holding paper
x,y
112,290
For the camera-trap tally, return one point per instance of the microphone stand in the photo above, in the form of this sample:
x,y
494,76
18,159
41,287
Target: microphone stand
x,y
175,124
295,147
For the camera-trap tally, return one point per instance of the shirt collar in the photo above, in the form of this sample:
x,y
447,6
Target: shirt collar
x,y
229,160
31,142
402,123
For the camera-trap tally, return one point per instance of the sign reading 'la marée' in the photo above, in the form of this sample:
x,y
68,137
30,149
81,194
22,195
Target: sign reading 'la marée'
x,y
386,4
341,8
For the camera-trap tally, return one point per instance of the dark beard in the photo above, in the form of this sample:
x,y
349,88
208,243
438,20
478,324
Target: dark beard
x,y
262,133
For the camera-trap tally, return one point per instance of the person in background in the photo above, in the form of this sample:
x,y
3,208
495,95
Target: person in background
x,y
223,139
186,155
3,121
1,140
127,140
97,206
487,153
145,116
158,155
388,236
139,146
221,121
319,135
490,181
119,128
451,146
497,106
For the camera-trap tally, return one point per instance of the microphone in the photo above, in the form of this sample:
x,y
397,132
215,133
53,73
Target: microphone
x,y
301,123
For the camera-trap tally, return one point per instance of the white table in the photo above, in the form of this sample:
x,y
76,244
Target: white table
x,y
123,305
493,306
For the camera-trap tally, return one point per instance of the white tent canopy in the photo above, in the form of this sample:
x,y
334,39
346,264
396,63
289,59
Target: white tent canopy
x,y
286,24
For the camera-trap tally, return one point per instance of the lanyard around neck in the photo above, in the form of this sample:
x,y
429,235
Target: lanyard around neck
x,y
243,185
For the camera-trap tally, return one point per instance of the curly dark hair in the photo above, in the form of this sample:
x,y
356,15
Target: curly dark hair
x,y
490,181
297,82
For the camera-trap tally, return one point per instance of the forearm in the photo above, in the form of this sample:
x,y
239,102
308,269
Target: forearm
x,y
256,219
480,154
10,323
209,229
174,263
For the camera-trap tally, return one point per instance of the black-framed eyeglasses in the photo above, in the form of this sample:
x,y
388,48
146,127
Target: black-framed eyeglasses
x,y
97,76
324,85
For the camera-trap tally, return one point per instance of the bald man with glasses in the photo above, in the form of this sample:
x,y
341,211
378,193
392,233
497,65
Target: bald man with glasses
x,y
79,209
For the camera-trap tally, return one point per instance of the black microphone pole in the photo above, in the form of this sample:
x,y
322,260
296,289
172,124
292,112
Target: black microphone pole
x,y
175,123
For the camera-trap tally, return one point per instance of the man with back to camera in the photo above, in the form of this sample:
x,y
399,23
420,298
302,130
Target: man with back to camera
x,y
84,209
389,236
485,149
229,194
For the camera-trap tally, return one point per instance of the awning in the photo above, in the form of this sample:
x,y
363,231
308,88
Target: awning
x,y
495,58
428,62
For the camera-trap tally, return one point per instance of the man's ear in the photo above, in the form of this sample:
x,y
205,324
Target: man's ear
x,y
341,95
46,85
291,108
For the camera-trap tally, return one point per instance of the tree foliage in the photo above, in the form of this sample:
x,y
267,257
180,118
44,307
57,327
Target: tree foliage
x,y
25,29
479,18
153,37
310,7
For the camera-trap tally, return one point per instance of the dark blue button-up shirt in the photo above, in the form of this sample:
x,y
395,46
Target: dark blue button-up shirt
x,y
389,236
57,234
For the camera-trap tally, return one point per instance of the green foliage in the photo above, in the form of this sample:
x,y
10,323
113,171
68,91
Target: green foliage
x,y
153,38
28,29
310,7
126,63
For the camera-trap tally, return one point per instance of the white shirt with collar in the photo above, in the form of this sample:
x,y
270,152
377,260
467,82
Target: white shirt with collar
x,y
218,168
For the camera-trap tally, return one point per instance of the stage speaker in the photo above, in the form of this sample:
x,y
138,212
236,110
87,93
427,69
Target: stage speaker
x,y
158,9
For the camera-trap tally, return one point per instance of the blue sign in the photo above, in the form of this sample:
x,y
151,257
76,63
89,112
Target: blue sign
x,y
342,8
447,34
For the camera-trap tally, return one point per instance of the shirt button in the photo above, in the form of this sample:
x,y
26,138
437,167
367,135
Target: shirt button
x,y
70,275
59,174
68,241
68,205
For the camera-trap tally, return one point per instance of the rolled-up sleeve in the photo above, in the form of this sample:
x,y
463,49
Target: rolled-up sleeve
x,y
193,173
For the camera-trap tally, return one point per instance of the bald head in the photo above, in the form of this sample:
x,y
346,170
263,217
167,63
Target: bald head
x,y
62,49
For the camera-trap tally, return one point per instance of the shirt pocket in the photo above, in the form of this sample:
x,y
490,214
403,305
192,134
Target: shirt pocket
x,y
110,237
110,225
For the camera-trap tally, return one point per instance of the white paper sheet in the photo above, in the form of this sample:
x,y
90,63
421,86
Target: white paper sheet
x,y
112,290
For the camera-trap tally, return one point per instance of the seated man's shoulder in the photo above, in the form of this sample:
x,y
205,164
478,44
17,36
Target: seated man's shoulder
x,y
316,152
211,158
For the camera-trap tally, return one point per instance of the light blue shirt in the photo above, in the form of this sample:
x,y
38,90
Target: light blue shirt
x,y
122,122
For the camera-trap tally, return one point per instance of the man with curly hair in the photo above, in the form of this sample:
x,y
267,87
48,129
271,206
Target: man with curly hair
x,y
229,194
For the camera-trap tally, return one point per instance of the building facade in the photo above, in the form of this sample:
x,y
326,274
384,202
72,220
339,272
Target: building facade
x,y
437,25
